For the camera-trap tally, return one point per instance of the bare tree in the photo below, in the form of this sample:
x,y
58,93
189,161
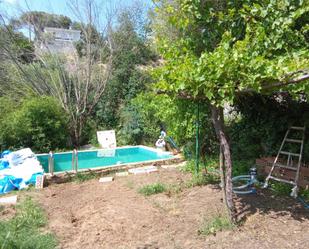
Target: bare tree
x,y
77,81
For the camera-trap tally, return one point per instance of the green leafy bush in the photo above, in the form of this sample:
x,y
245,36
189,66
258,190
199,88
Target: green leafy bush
x,y
148,112
38,123
152,189
25,229
262,123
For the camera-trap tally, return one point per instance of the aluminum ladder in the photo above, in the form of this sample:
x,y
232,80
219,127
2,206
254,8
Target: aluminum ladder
x,y
289,165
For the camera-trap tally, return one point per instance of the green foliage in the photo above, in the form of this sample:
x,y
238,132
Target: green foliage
x,y
150,111
208,172
129,78
15,43
210,164
218,50
242,167
174,189
38,123
262,123
284,189
203,179
89,34
215,224
25,229
41,19
152,189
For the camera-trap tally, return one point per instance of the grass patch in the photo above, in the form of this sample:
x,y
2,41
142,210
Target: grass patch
x,y
203,179
173,189
216,224
24,230
152,189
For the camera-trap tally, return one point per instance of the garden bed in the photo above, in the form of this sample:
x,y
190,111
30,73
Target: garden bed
x,y
117,215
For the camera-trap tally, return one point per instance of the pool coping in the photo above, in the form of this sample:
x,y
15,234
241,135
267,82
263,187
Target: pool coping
x,y
115,167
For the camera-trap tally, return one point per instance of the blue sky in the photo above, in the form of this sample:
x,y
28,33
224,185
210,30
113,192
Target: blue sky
x,y
15,7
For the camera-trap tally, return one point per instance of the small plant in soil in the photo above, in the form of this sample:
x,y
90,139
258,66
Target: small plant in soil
x,y
172,189
152,189
218,223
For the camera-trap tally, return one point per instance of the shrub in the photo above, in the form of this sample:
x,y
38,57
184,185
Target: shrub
x,y
38,123
24,230
152,189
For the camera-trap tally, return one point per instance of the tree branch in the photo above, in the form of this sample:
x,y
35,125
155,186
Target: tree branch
x,y
187,95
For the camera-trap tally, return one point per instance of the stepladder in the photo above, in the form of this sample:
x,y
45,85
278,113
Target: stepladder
x,y
287,164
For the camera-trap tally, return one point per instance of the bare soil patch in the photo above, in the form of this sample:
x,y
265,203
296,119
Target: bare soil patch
x,y
114,215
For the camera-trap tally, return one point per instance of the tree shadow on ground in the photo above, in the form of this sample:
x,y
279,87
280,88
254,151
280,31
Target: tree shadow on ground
x,y
266,202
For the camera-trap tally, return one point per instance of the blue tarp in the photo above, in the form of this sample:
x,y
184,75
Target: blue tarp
x,y
18,170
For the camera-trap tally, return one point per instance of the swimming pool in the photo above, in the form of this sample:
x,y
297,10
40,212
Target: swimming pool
x,y
103,158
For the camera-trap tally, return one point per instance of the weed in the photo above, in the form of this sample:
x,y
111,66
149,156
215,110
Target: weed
x,y
281,189
173,189
218,223
284,189
152,189
203,179
82,177
24,229
208,164
188,167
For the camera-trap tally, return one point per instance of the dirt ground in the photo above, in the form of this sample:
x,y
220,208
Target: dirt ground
x,y
114,215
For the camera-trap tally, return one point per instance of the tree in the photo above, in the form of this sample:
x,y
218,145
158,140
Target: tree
x,y
38,20
215,50
18,44
131,55
77,82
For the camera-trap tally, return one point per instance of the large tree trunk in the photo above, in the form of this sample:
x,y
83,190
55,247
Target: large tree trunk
x,y
218,122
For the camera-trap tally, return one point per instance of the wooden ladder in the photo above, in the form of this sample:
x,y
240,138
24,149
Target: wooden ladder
x,y
289,164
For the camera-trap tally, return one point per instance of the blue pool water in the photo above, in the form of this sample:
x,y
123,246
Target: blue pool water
x,y
102,158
